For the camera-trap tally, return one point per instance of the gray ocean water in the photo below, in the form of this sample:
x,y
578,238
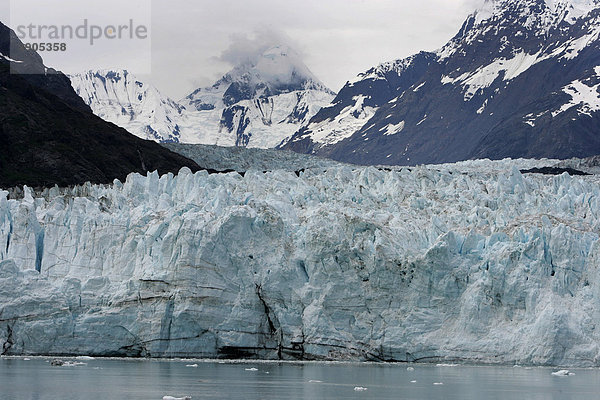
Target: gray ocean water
x,y
36,379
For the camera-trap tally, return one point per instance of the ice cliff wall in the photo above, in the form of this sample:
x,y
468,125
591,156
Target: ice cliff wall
x,y
473,261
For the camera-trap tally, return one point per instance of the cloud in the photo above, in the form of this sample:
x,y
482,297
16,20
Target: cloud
x,y
247,48
195,42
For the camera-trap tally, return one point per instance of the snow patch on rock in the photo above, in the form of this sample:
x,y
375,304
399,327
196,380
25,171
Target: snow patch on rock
x,y
344,125
586,98
392,129
484,76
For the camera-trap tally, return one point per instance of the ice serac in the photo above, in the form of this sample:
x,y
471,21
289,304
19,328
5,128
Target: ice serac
x,y
257,104
519,79
474,261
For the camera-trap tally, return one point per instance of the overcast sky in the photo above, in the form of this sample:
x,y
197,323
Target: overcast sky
x,y
337,38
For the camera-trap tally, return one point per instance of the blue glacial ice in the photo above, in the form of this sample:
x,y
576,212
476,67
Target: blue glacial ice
x,y
471,261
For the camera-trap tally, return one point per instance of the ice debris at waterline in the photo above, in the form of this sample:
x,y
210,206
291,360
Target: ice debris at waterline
x,y
470,261
563,372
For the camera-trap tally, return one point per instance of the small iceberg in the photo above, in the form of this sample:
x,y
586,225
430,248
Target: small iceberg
x,y
438,383
73,363
192,365
563,372
360,389
413,381
314,381
85,358
61,363
251,369
27,359
177,398
410,369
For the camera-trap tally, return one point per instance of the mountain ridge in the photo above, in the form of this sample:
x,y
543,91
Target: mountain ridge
x,y
256,104
48,136
493,91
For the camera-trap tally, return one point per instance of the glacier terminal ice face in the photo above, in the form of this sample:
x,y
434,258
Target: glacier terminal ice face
x,y
472,261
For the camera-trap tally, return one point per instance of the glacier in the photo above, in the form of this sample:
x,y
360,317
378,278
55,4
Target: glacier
x,y
473,261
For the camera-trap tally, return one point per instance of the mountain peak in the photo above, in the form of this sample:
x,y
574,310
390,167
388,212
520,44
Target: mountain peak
x,y
277,66
552,12
276,70
512,26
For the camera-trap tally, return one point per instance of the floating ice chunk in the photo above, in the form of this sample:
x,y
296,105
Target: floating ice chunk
x,y
73,364
438,383
192,365
177,398
360,389
252,369
410,369
413,381
446,365
85,358
563,372
27,359
314,381
61,363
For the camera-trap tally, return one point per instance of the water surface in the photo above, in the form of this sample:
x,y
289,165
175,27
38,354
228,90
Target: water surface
x,y
36,379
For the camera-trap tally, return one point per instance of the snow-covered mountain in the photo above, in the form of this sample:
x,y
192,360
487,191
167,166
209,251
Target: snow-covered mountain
x,y
474,261
262,122
119,97
257,104
277,70
520,79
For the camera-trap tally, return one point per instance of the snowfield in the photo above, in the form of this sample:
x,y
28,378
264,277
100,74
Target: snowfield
x,y
471,261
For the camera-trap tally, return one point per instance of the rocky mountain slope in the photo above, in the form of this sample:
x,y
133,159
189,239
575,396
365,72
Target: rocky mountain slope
x,y
257,104
472,261
49,136
520,79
